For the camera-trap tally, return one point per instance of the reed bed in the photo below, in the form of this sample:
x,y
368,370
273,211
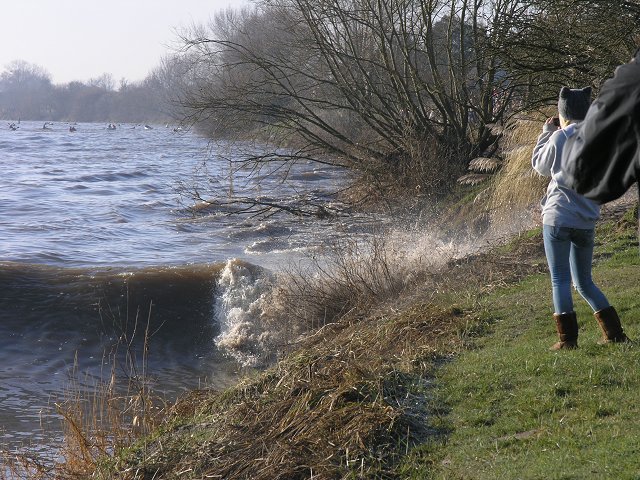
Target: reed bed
x,y
517,186
344,404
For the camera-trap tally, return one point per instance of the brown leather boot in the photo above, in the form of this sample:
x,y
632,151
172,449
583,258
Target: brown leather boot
x,y
610,324
567,325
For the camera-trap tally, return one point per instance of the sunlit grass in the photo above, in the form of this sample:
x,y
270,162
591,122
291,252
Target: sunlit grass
x,y
509,408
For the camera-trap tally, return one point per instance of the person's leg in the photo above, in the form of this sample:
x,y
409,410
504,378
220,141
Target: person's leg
x,y
557,247
581,259
609,321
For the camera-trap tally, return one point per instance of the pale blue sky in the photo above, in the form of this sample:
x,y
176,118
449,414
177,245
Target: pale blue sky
x,y
83,39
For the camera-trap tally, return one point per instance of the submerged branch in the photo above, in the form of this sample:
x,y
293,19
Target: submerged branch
x,y
256,207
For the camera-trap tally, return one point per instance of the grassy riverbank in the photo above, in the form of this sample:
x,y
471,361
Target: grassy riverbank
x,y
509,408
452,381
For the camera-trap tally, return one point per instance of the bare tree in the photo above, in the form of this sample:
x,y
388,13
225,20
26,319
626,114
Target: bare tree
x,y
551,43
403,92
104,82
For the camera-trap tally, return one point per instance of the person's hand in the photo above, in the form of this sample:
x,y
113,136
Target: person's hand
x,y
552,123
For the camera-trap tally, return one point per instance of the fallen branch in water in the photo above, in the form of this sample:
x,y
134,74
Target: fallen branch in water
x,y
256,207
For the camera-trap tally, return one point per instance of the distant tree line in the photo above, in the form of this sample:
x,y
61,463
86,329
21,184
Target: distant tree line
x,y
402,92
27,93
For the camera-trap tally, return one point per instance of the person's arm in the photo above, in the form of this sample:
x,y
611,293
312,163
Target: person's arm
x,y
544,153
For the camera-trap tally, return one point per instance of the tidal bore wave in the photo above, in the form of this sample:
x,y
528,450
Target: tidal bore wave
x,y
188,308
194,325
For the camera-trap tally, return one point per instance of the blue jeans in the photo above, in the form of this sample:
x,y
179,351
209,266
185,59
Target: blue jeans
x,y
569,255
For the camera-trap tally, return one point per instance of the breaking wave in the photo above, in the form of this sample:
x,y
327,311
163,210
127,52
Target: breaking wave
x,y
241,293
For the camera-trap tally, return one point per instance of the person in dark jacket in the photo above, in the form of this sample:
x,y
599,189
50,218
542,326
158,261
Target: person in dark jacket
x,y
602,160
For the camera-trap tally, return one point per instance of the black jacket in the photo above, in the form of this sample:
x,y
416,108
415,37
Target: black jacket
x,y
603,160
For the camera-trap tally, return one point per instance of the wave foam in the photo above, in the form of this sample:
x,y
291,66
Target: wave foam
x,y
242,290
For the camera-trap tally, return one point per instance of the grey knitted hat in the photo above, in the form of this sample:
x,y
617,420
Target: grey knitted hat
x,y
574,103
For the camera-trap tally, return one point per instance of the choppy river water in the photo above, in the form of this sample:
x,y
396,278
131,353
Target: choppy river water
x,y
94,234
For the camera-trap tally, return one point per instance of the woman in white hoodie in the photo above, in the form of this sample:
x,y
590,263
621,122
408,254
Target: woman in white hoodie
x,y
568,227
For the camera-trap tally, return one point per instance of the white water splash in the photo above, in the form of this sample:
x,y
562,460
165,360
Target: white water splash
x,y
242,290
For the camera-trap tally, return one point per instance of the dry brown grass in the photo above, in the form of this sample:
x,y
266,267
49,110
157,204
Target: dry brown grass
x,y
518,187
485,165
351,276
103,421
345,403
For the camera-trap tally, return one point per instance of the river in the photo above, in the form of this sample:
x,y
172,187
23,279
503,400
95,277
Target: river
x,y
98,245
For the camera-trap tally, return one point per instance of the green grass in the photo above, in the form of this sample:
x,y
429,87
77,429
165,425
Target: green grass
x,y
508,408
